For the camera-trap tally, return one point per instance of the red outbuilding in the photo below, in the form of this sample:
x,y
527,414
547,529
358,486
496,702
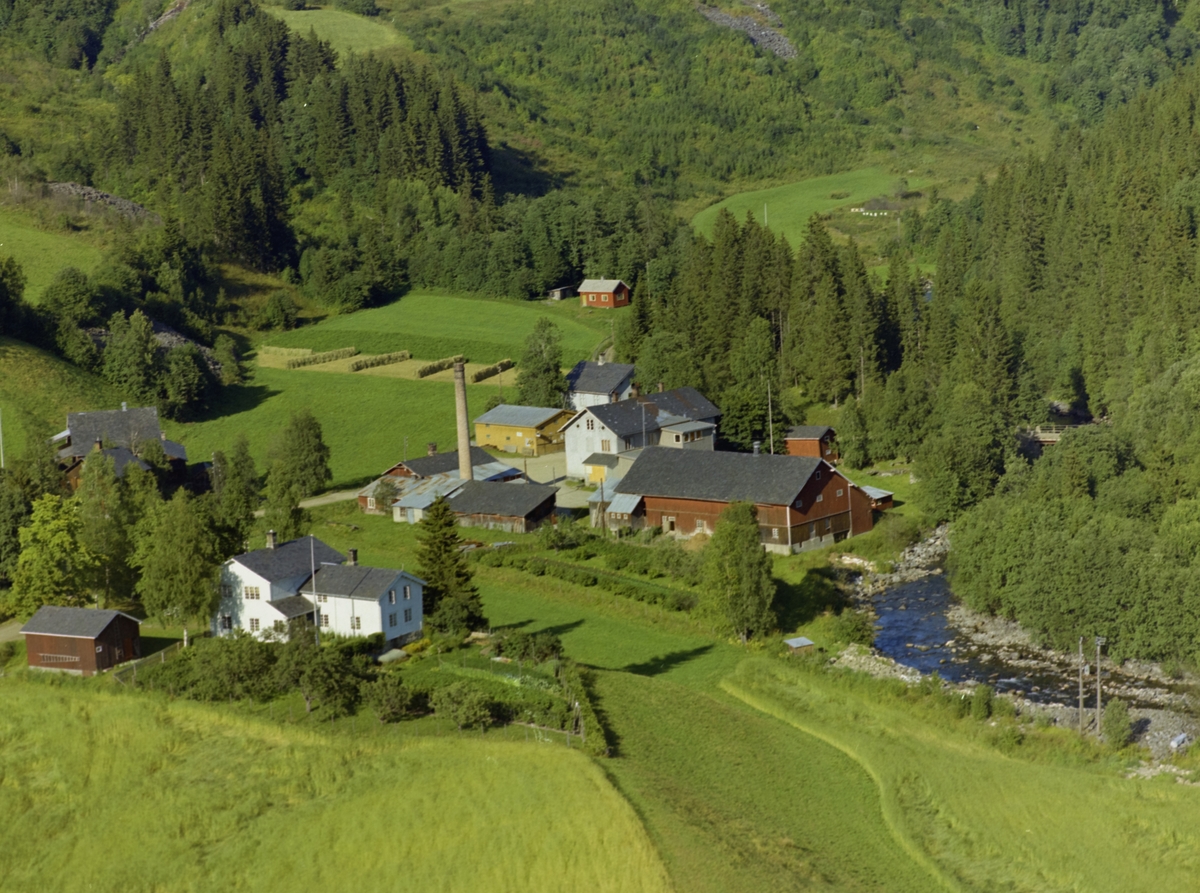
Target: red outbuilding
x,y
80,640
603,293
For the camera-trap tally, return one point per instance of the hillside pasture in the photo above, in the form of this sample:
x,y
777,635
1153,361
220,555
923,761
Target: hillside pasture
x,y
37,390
790,207
41,254
119,791
431,325
347,32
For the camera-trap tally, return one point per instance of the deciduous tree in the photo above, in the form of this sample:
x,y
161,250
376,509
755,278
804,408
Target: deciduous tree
x,y
540,379
54,566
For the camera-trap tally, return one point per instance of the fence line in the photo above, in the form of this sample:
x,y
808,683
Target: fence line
x,y
127,673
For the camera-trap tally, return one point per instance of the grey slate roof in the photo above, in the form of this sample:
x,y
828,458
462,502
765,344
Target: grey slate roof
x,y
718,476
289,560
809,432
624,418
441,463
120,427
598,378
518,416
292,606
608,460
122,458
75,623
509,500
600,285
350,581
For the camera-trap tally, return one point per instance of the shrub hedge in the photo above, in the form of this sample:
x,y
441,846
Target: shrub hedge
x,y
439,365
317,358
486,373
383,359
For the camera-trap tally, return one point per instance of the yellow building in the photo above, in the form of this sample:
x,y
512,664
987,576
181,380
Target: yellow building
x,y
525,430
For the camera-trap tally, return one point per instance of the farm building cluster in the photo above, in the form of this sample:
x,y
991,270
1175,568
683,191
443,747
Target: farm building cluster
x,y
653,461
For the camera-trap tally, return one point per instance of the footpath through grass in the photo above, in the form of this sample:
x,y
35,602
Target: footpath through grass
x,y
113,791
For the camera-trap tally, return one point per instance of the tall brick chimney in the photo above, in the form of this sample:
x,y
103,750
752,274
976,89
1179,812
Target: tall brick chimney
x,y
464,431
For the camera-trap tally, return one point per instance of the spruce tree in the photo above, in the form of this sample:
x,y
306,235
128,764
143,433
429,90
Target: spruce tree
x,y
540,379
738,586
853,443
452,603
105,530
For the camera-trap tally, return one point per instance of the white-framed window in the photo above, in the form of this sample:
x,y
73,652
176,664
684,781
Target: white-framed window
x,y
407,592
253,624
408,615
699,525
774,533
99,648
323,599
392,619
252,593
277,626
370,502
606,446
391,596
840,491
356,623
820,497
324,620
226,621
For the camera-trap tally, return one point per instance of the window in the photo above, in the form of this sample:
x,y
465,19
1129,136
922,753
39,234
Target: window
x,y
408,615
277,626
99,648
407,592
356,623
226,621
699,525
391,596
252,593
678,438
370,502
606,446
828,523
253,624
774,533
628,444
820,497
818,474
324,620
322,599
391,619
519,434
591,424
840,492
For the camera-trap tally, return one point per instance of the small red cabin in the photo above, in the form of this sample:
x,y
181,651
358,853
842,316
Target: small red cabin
x,y
818,441
80,640
603,293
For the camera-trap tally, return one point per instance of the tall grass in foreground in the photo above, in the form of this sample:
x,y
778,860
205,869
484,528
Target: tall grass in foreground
x,y
107,791
970,802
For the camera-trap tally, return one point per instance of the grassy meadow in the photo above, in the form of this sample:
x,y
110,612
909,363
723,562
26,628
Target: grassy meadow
x,y
431,325
197,798
42,254
347,32
788,208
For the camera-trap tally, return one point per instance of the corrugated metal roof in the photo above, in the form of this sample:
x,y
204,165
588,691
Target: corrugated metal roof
x,y
876,493
74,623
625,503
685,427
600,285
518,416
718,476
798,642
422,494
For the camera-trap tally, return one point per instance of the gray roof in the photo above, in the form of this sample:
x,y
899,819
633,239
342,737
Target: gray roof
x,y
519,416
625,417
292,606
600,284
75,623
799,642
608,460
289,560
809,432
718,476
424,493
351,581
876,493
687,426
122,458
598,378
509,500
625,503
441,463
120,427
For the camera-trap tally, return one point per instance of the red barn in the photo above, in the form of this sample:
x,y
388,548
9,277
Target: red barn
x,y
80,640
802,502
603,293
818,441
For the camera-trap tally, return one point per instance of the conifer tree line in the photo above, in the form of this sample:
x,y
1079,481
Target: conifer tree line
x,y
224,142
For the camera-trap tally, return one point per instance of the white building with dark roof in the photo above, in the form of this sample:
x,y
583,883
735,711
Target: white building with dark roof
x,y
262,591
590,384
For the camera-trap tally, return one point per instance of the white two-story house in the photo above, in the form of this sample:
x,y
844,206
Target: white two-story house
x,y
262,591
682,418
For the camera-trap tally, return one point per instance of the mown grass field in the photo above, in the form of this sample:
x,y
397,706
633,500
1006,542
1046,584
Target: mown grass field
x,y
37,390
790,207
111,791
41,254
347,32
431,325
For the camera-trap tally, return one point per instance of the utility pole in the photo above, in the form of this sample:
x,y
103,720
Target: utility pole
x,y
405,447
764,215
1,439
312,563
1099,641
770,413
1081,686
